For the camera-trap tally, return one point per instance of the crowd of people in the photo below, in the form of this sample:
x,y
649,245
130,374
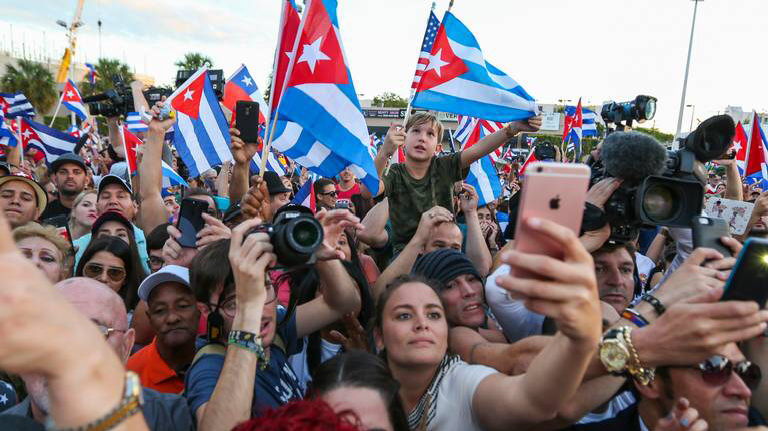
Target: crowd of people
x,y
406,317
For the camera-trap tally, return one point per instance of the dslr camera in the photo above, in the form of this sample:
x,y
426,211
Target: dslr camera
x,y
545,152
660,187
295,235
119,100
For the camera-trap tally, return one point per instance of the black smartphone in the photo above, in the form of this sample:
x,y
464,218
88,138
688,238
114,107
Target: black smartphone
x,y
247,120
190,220
707,232
749,278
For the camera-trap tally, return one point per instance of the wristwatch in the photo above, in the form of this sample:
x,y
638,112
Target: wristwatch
x,y
129,405
620,358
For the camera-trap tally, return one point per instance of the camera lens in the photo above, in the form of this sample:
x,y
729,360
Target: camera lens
x,y
660,203
305,233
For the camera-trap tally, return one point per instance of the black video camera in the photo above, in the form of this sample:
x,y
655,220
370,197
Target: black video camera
x,y
640,109
660,187
119,100
545,152
294,233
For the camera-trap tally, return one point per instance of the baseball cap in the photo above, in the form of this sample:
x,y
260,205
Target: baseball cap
x,y
111,216
42,197
113,179
176,273
274,183
67,158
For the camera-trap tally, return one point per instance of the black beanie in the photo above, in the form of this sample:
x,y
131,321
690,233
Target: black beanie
x,y
443,265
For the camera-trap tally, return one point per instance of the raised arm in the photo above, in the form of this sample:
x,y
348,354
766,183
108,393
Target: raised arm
x,y
497,139
733,189
374,233
242,153
115,140
222,180
394,139
476,249
153,212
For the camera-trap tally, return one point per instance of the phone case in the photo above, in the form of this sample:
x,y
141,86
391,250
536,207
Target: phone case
x,y
749,278
191,220
552,191
707,232
247,120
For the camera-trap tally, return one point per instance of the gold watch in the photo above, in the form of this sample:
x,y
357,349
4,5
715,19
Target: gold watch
x,y
619,356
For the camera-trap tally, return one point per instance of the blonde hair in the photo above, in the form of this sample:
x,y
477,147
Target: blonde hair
x,y
424,118
78,199
48,233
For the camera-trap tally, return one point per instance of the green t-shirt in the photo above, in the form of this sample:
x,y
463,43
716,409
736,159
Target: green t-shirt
x,y
409,197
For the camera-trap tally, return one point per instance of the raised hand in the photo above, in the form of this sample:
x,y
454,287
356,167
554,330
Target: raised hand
x,y
395,138
250,254
241,151
255,203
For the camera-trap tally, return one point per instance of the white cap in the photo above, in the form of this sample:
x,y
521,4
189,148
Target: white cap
x,y
176,273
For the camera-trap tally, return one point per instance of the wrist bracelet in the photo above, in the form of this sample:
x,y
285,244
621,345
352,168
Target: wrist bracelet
x,y
633,316
250,342
643,375
655,303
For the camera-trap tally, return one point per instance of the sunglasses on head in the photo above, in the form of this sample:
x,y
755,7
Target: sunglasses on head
x,y
94,270
718,369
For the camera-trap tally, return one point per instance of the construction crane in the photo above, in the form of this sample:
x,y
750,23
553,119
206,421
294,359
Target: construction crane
x,y
68,60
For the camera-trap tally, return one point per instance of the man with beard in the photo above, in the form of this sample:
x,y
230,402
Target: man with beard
x,y
68,173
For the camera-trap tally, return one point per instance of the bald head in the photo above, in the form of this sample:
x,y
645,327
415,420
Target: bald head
x,y
104,307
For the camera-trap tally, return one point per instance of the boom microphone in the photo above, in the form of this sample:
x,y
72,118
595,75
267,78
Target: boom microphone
x,y
633,156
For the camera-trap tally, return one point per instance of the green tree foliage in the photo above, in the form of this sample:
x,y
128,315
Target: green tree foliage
x,y
656,133
32,79
390,100
106,68
194,61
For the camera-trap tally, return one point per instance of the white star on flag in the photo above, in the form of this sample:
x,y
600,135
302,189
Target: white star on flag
x,y
70,93
312,54
737,146
26,134
247,81
188,94
3,399
435,62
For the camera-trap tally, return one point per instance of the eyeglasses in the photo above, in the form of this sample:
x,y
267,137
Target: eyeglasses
x,y
94,270
228,308
156,262
107,331
718,369
332,193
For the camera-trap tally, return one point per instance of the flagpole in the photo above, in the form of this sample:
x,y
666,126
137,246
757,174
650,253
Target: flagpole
x,y
56,112
267,146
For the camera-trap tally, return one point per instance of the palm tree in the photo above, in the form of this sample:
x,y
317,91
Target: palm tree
x,y
194,61
32,79
106,69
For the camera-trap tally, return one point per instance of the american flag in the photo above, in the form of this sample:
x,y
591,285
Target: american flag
x,y
426,47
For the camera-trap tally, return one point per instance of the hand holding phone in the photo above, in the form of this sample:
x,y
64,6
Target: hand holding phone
x,y
247,120
707,232
190,221
749,278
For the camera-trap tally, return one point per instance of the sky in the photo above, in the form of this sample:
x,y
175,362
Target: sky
x,y
599,50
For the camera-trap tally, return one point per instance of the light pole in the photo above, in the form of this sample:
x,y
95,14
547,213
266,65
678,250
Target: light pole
x,y
693,111
71,40
687,66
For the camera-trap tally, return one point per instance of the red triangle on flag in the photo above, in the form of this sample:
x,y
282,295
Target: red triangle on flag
x,y
756,153
70,93
187,100
130,144
318,57
443,64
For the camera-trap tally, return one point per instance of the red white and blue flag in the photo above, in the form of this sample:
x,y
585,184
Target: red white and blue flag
x,y
286,39
756,168
50,142
7,137
201,132
134,123
130,145
458,79
482,173
16,105
740,145
91,74
71,99
575,132
531,158
433,24
241,86
306,196
589,119
325,129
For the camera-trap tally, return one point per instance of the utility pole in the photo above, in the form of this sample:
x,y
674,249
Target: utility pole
x,y
687,67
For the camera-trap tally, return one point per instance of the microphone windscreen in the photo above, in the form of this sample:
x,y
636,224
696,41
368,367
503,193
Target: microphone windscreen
x,y
632,155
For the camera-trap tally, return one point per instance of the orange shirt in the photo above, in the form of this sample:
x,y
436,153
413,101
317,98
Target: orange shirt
x,y
153,372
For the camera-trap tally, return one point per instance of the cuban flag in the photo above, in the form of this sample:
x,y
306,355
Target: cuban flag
x,y
531,158
482,173
433,24
51,142
273,163
575,133
589,120
458,79
16,105
92,74
170,177
306,195
756,169
130,145
7,138
375,143
71,99
134,124
325,124
201,133
286,39
739,146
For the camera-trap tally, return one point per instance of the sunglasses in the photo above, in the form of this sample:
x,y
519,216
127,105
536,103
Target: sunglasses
x,y
331,193
156,262
94,270
717,370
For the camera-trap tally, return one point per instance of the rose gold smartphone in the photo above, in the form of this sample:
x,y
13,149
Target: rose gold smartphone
x,y
552,191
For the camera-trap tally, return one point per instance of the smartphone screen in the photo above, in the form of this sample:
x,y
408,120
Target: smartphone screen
x,y
247,120
191,220
749,278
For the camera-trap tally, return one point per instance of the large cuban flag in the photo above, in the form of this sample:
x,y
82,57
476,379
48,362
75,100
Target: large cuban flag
x,y
482,173
201,133
71,99
51,142
459,80
324,128
756,168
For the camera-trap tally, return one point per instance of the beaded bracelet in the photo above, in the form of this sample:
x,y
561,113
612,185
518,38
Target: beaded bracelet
x,y
251,342
655,303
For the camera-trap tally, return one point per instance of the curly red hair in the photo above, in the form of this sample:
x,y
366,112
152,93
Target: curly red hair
x,y
300,415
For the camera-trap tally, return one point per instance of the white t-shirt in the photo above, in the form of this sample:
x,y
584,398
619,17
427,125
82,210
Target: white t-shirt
x,y
644,266
299,360
454,398
516,320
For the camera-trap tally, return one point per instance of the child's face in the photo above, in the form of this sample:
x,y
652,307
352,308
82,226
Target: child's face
x,y
421,142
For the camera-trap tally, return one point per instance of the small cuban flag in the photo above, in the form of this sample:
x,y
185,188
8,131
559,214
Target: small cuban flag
x,y
71,99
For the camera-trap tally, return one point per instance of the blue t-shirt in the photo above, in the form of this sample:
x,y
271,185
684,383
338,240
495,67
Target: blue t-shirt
x,y
274,386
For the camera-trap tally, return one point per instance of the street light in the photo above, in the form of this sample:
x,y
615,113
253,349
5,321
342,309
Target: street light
x,y
687,66
693,111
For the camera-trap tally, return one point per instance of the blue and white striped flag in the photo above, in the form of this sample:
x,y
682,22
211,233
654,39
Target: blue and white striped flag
x,y
589,117
482,173
273,163
7,138
16,105
52,142
134,124
171,178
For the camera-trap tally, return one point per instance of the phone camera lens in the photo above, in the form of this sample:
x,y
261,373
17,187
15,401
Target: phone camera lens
x,y
539,169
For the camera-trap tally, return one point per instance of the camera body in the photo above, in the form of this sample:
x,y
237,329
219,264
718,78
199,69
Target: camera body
x,y
295,235
119,100
545,152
